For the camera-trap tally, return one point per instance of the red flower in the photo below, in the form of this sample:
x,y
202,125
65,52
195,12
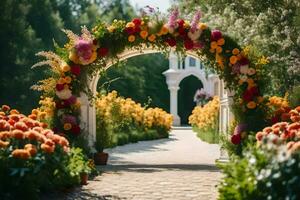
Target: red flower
x,y
75,130
137,29
236,139
75,69
244,61
59,104
215,35
248,95
137,21
103,51
188,44
182,32
180,22
275,119
95,42
130,30
171,42
59,87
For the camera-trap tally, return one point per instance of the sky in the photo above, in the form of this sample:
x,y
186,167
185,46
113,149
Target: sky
x,y
163,5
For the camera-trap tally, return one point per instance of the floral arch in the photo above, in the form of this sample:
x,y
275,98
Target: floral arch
x,y
76,67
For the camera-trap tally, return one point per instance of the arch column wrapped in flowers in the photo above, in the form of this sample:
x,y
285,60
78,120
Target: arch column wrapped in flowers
x,y
81,59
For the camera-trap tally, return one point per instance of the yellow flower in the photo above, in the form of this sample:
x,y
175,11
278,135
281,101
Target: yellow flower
x,y
68,79
73,57
263,61
233,59
111,29
213,45
151,38
93,57
251,105
144,34
186,24
131,38
67,126
202,26
130,25
221,42
235,51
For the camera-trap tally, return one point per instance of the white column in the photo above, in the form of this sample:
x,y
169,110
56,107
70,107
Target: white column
x,y
174,105
88,120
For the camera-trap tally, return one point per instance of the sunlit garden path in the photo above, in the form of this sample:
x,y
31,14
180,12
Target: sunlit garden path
x,y
181,167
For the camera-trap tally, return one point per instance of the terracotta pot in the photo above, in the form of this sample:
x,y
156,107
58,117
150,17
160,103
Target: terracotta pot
x,y
101,158
84,178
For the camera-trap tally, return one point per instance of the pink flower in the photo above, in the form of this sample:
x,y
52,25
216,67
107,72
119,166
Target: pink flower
x,y
84,49
198,45
69,119
173,17
195,21
215,35
71,100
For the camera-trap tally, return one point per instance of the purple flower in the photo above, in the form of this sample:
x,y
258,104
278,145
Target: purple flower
x,y
240,128
173,17
216,35
69,119
84,48
195,21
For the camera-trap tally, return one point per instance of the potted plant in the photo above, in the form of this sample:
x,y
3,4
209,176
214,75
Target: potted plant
x,y
103,139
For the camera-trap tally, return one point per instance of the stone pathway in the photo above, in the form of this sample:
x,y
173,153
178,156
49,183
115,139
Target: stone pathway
x,y
181,167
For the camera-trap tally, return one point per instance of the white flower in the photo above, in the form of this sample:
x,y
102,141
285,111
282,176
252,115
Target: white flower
x,y
244,69
64,94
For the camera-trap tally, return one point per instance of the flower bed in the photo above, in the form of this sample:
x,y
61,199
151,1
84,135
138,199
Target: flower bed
x,y
205,121
33,158
122,120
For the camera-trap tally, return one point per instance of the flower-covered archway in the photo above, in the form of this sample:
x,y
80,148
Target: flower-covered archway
x,y
76,66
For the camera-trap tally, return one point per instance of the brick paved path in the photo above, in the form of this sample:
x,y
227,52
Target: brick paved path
x,y
181,167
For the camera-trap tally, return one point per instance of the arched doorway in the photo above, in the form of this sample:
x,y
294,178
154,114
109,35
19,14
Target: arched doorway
x,y
188,86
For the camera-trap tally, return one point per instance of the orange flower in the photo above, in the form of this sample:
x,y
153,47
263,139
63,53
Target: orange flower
x,y
131,38
61,81
221,42
32,116
164,30
233,59
3,144
219,49
14,111
67,126
68,79
260,99
46,148
130,25
235,51
151,38
213,45
212,50
2,113
21,153
18,134
31,149
144,34
5,108
251,105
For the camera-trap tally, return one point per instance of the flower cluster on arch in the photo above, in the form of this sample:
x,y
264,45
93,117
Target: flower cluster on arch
x,y
86,54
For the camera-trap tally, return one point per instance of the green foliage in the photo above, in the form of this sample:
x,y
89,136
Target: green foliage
x,y
294,97
209,135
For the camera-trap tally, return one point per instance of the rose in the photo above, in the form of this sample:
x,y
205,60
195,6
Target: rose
x,y
60,87
76,70
103,51
188,44
137,21
236,139
171,42
215,35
